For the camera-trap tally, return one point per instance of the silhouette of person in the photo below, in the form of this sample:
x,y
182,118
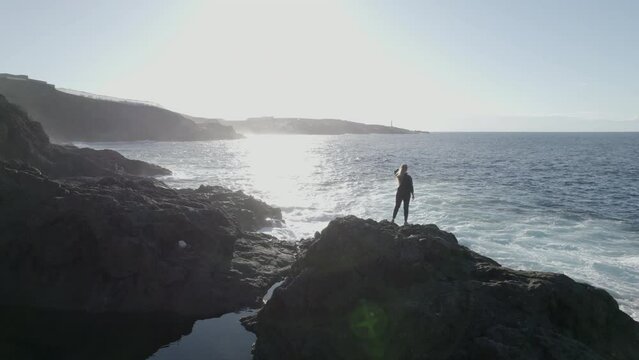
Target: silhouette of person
x,y
404,191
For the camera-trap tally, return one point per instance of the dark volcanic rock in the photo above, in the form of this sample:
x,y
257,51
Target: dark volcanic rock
x,y
69,117
248,211
32,334
22,139
126,244
368,290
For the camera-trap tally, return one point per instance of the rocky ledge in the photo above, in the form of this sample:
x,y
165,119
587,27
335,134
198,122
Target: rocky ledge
x,y
368,290
132,245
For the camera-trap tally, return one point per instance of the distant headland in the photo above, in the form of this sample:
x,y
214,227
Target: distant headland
x,y
72,115
275,125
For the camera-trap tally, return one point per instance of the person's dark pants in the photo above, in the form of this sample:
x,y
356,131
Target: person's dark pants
x,y
398,201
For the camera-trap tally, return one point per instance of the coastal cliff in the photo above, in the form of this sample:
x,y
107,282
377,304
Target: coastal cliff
x,y
373,290
71,117
22,139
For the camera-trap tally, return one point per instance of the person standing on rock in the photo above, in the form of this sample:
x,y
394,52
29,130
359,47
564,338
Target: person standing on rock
x,y
404,191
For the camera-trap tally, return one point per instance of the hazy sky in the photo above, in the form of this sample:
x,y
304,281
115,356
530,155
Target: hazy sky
x,y
430,65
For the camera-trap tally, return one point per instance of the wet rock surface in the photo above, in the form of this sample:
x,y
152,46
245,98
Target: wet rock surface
x,y
369,290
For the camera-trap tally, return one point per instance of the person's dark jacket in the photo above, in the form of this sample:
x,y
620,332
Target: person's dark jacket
x,y
406,185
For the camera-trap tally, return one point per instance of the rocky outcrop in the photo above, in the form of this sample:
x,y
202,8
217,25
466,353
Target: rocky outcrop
x,y
369,290
70,117
22,139
129,245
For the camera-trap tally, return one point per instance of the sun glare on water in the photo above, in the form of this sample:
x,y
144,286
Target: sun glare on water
x,y
281,165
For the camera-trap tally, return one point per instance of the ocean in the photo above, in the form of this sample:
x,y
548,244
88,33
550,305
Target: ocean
x,y
560,202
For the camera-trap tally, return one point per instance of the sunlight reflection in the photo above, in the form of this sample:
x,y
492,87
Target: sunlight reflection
x,y
282,165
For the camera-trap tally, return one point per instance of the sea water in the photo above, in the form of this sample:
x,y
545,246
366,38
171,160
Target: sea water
x,y
560,202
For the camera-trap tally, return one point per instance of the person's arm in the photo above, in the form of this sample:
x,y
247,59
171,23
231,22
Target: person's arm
x,y
412,190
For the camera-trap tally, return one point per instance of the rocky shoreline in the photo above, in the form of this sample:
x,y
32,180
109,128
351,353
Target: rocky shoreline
x,y
80,232
112,257
124,244
84,239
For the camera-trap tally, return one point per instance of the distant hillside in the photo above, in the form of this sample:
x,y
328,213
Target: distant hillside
x,y
23,140
75,117
271,125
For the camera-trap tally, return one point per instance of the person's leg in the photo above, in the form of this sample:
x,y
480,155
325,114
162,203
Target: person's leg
x,y
406,202
398,201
